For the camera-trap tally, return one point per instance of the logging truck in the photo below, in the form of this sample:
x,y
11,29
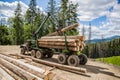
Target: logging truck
x,y
68,47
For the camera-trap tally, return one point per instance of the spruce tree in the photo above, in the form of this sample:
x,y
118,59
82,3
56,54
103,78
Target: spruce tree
x,y
53,21
31,15
52,7
5,38
68,15
18,25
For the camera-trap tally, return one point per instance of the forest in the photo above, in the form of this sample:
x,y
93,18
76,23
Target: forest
x,y
22,27
103,49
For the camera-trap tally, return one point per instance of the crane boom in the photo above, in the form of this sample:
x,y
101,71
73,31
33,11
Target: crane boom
x,y
45,19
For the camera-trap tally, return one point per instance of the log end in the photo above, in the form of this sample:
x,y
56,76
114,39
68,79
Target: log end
x,y
49,76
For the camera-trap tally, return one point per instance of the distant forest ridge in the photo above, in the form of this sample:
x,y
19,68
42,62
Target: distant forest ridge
x,y
103,49
103,40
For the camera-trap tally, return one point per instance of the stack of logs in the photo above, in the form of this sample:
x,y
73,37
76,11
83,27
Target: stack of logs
x,y
73,43
19,70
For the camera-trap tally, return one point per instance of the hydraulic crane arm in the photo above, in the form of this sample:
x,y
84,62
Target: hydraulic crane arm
x,y
45,19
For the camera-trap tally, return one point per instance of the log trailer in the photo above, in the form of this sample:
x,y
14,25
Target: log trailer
x,y
68,47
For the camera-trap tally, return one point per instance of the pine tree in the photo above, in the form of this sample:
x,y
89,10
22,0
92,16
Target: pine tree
x,y
31,15
18,25
52,7
34,17
68,15
32,5
5,38
72,13
72,17
53,21
63,12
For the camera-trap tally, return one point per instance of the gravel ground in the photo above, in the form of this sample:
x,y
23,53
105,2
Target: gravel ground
x,y
96,70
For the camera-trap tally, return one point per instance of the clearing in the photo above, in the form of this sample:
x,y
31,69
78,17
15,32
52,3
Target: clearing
x,y
95,70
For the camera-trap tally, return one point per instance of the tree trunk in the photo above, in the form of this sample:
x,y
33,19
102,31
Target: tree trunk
x,y
59,40
81,38
20,72
10,73
64,67
59,43
61,47
64,29
27,67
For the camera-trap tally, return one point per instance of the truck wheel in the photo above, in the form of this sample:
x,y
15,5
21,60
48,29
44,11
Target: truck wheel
x,y
73,60
39,55
22,51
83,59
62,59
33,53
49,55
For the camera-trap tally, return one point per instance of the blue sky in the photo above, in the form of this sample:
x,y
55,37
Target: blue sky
x,y
104,15
42,3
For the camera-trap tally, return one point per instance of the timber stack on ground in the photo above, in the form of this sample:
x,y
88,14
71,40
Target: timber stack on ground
x,y
22,70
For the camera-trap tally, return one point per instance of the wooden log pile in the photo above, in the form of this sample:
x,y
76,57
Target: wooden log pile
x,y
74,43
23,70
56,65
20,72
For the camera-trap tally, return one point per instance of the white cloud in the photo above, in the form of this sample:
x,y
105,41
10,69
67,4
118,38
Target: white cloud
x,y
88,10
7,8
114,21
96,32
106,30
92,9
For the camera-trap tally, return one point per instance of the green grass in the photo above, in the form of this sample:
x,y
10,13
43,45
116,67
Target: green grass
x,y
115,60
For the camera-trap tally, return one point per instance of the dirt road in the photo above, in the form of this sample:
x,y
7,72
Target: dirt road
x,y
96,70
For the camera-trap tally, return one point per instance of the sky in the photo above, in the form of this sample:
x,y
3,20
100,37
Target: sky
x,y
104,15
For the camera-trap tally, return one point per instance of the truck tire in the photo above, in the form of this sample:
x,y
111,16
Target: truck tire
x,y
73,60
83,59
22,51
39,55
33,53
62,59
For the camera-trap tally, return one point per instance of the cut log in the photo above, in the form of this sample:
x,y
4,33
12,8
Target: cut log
x,y
27,67
64,67
10,73
20,72
61,47
2,78
81,38
58,43
4,75
59,40
64,29
61,43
